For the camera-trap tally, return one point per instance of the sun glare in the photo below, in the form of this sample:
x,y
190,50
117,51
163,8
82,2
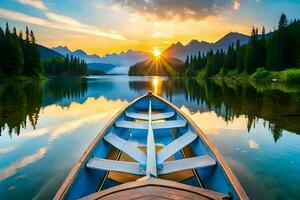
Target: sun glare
x,y
156,52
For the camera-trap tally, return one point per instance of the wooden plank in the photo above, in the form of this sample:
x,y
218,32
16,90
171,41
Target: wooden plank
x,y
187,163
127,147
144,125
143,116
131,124
175,146
112,165
169,124
165,187
151,153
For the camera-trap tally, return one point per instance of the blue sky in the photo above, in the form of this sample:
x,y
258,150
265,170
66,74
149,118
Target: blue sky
x,y
106,26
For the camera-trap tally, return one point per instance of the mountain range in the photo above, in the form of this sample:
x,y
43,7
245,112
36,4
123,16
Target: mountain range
x,y
177,50
46,53
180,51
119,63
127,58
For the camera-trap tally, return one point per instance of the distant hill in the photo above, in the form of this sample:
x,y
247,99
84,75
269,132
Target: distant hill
x,y
46,53
180,51
122,59
63,50
163,66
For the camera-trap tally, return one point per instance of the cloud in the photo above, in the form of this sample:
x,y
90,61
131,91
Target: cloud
x,y
61,22
253,144
8,14
35,3
236,5
11,169
90,112
217,124
5,150
64,128
178,9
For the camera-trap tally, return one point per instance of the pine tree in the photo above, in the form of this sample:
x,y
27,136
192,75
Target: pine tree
x,y
185,66
2,39
282,43
21,35
199,67
7,30
32,37
14,34
16,58
278,51
262,51
251,53
36,62
12,55
27,35
241,58
27,54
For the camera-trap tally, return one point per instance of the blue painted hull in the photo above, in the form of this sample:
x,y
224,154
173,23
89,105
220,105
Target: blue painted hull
x,y
83,181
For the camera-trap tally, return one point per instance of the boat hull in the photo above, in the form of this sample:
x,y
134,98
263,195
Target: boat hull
x,y
83,181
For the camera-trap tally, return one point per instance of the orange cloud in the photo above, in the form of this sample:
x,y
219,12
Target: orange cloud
x,y
177,9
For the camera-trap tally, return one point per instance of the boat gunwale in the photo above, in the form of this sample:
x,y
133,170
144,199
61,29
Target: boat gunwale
x,y
75,170
223,164
156,182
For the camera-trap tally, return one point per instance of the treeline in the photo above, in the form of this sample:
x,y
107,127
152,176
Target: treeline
x,y
277,52
19,53
72,66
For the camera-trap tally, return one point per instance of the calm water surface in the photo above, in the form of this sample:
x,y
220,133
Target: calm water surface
x,y
45,128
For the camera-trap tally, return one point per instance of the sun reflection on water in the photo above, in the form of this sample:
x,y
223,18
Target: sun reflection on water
x,y
156,85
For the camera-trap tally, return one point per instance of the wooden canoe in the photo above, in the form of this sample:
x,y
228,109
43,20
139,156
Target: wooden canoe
x,y
151,150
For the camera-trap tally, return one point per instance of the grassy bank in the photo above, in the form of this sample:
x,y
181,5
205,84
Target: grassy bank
x,y
21,78
289,75
261,74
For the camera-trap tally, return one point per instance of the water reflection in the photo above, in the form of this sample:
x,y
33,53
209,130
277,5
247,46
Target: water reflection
x,y
20,103
58,89
57,119
277,104
11,169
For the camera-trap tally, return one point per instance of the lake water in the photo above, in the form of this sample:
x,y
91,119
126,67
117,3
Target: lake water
x,y
46,127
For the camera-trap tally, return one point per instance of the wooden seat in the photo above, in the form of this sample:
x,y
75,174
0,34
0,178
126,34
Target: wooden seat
x,y
135,168
144,125
187,163
127,147
143,116
113,165
175,146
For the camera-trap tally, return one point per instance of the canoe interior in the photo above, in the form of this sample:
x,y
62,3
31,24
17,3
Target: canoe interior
x,y
87,181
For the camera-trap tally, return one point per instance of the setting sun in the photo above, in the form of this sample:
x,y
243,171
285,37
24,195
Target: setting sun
x,y
156,52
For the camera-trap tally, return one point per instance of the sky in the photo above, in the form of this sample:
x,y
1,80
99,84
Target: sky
x,y
107,26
